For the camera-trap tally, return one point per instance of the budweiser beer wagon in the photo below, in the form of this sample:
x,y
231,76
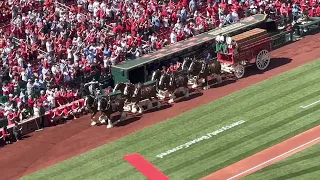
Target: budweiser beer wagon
x,y
243,50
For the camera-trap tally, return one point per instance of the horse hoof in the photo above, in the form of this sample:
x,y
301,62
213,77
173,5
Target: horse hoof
x,y
140,110
109,126
103,121
150,106
206,88
134,110
158,105
122,117
93,123
170,101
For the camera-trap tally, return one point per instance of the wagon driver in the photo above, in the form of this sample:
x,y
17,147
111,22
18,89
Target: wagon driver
x,y
231,44
220,44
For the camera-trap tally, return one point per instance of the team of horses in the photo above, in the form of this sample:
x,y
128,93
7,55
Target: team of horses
x,y
134,97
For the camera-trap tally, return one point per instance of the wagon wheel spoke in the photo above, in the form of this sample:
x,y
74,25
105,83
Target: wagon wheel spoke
x,y
262,60
239,71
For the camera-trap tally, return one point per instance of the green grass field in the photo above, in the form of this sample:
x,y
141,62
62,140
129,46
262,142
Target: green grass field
x,y
302,165
271,111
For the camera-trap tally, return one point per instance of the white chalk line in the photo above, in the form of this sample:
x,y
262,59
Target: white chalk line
x,y
310,104
274,158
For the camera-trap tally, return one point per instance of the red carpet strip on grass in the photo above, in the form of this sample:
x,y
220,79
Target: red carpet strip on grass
x,y
145,167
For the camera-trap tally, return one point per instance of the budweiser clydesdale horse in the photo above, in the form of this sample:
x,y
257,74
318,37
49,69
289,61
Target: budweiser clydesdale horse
x,y
108,107
172,83
202,70
138,93
91,106
119,87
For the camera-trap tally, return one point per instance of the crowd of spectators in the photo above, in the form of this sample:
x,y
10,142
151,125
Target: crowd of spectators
x,y
46,45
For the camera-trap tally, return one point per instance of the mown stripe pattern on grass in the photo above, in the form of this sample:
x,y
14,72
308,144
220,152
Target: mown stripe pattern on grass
x,y
302,165
271,110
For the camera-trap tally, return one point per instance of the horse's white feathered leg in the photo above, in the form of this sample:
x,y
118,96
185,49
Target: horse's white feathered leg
x,y
110,125
127,108
140,109
93,123
102,119
172,97
195,85
134,108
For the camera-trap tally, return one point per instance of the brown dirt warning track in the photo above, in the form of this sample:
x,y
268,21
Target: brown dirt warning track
x,y
55,144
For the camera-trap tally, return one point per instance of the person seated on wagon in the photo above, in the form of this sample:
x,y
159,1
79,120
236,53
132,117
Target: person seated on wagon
x,y
220,44
229,43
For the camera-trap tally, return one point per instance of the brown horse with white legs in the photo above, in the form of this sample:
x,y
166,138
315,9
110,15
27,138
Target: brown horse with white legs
x,y
143,93
119,87
91,105
108,107
178,83
203,70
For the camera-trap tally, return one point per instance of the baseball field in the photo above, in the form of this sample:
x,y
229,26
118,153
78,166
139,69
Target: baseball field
x,y
303,165
213,136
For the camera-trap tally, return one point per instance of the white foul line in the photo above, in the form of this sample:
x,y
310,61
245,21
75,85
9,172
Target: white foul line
x,y
310,104
273,158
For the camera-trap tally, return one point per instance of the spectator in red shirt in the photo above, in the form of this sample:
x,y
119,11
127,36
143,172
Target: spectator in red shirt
x,y
5,135
75,109
16,115
59,115
70,96
30,103
10,118
82,108
43,96
59,99
53,118
67,112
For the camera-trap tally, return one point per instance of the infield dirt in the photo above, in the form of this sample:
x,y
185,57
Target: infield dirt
x,y
55,144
